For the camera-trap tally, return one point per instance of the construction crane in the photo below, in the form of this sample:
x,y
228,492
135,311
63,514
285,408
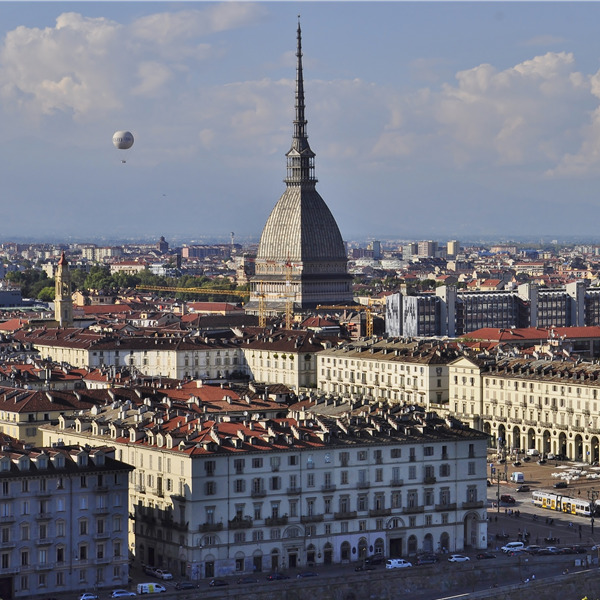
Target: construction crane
x,y
262,318
357,307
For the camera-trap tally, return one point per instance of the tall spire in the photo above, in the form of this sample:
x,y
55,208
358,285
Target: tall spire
x,y
300,158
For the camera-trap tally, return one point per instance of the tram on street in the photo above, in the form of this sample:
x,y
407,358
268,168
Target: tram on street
x,y
565,504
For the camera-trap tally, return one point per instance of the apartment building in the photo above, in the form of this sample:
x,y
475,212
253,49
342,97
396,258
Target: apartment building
x,y
450,312
550,405
245,492
411,371
63,519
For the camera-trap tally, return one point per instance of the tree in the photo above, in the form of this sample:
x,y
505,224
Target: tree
x,y
46,294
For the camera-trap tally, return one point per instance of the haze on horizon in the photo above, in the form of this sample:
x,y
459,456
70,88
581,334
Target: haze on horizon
x,y
429,120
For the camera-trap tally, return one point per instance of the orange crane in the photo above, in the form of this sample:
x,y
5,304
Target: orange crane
x,y
262,319
357,307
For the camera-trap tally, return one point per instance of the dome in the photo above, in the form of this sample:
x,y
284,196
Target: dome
x,y
301,228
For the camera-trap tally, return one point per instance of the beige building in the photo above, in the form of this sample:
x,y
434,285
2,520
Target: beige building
x,y
415,372
245,493
548,405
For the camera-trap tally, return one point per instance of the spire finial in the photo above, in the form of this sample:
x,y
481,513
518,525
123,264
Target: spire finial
x,y
300,163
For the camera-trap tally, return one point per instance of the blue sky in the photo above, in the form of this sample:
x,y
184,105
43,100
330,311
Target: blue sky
x,y
429,119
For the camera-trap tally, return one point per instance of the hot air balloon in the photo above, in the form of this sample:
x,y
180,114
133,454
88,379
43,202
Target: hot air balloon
x,y
123,140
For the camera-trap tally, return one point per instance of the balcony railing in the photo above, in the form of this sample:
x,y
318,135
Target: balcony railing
x,y
209,527
276,521
343,515
311,519
473,504
429,480
445,507
41,542
409,510
380,512
244,523
43,516
292,491
328,487
258,493
396,482
363,485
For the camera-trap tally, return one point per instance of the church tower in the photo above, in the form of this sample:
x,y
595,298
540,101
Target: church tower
x,y
63,303
301,256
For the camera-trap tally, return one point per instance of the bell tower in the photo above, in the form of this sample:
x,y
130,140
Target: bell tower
x,y
63,303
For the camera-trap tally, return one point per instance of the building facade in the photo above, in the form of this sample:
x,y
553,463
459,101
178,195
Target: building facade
x,y
246,494
63,520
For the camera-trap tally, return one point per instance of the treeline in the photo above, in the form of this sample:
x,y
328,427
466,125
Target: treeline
x,y
36,284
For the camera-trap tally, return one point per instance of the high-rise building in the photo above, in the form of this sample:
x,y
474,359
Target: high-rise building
x,y
301,257
453,248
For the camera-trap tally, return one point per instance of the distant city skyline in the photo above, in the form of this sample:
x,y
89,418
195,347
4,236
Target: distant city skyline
x,y
430,120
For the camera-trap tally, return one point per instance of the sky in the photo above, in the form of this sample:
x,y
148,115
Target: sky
x,y
429,120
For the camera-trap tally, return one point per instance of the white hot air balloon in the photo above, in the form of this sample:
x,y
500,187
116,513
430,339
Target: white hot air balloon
x,y
122,140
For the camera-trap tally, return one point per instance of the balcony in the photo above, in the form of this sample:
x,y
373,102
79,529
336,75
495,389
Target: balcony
x,y
44,567
445,507
429,480
210,527
102,536
380,512
104,560
240,523
473,504
363,485
311,519
42,542
101,510
396,482
7,545
344,515
7,519
100,488
411,510
329,487
565,427
43,516
258,493
293,491
276,521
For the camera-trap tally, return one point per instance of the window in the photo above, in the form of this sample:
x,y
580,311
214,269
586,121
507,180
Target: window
x,y
362,455
275,483
239,485
210,488
396,499
257,463
396,452
310,480
471,468
275,462
344,477
292,460
209,467
428,451
362,503
444,470
344,458
83,527
412,472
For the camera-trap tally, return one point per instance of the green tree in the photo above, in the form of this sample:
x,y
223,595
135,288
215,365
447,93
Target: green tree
x,y
46,294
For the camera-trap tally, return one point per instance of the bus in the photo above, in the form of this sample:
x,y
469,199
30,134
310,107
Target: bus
x,y
565,504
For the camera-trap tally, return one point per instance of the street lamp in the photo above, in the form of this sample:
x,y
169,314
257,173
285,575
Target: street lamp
x,y
592,497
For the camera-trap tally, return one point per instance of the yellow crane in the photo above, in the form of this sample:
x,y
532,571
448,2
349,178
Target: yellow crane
x,y
262,319
357,307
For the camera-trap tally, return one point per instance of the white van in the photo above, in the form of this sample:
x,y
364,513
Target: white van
x,y
397,563
533,452
150,588
512,546
517,477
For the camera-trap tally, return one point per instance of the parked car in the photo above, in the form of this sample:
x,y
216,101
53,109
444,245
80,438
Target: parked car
x,y
149,570
427,559
397,563
277,577
512,546
533,549
306,574
507,499
186,585
484,555
247,580
579,549
162,574
218,582
365,567
458,558
376,559
122,594
88,596
523,488
561,485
